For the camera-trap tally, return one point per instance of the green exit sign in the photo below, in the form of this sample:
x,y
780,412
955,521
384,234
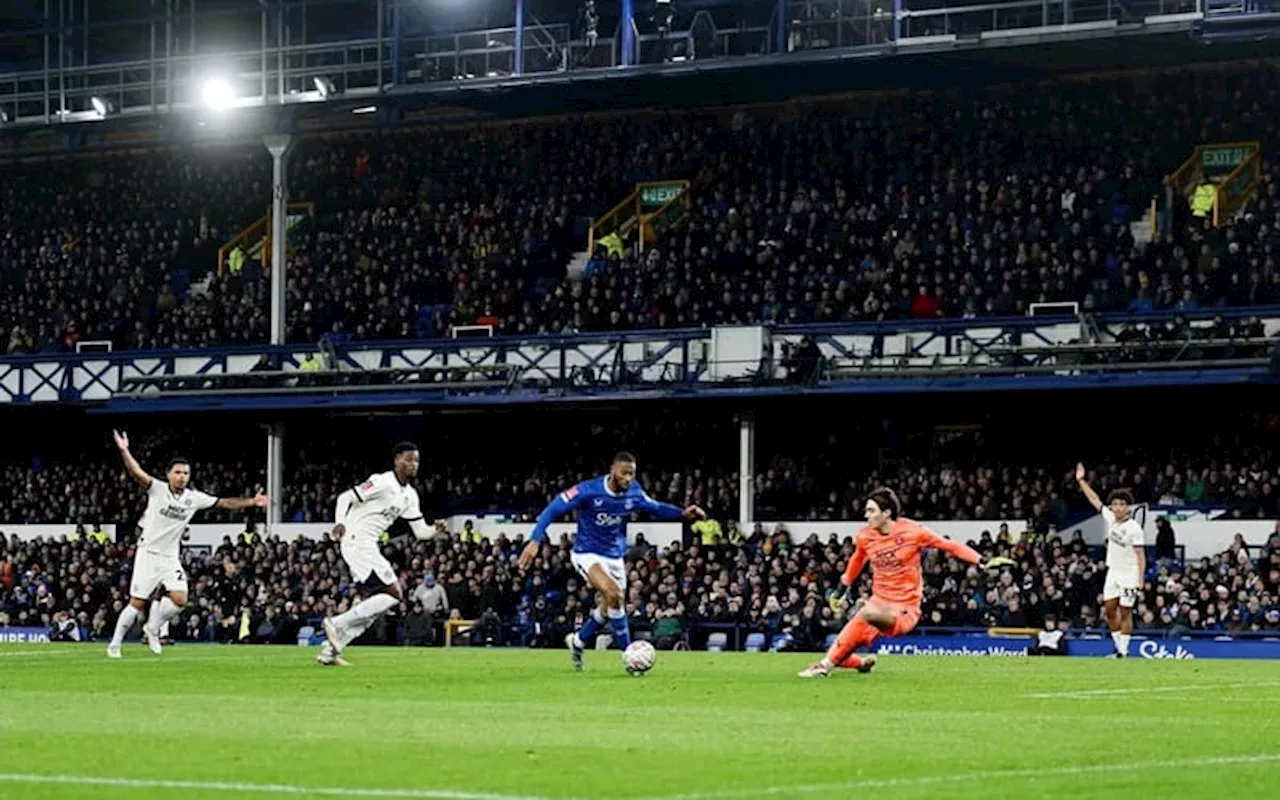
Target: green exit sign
x,y
1224,159
657,195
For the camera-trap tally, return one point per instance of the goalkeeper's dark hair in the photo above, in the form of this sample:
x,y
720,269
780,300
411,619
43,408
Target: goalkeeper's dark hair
x,y
402,447
624,457
1121,494
176,461
887,500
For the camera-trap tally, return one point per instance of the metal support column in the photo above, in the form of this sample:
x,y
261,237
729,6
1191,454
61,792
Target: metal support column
x,y
782,26
395,41
746,473
518,69
275,475
628,34
48,25
151,65
897,20
279,146
264,25
382,35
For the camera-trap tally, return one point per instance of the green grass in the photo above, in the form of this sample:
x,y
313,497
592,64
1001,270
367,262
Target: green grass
x,y
735,725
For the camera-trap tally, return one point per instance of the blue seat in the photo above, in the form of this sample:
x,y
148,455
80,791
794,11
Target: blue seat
x,y
716,642
755,642
304,635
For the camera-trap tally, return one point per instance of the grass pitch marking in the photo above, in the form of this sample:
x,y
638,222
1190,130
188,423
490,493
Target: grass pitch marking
x,y
255,788
757,791
964,777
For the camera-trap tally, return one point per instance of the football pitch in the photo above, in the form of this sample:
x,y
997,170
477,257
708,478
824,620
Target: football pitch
x,y
252,722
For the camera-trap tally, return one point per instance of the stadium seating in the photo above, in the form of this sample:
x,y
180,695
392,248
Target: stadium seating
x,y
916,206
264,580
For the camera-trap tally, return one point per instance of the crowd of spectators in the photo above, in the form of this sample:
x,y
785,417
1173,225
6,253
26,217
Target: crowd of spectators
x,y
804,468
267,591
919,205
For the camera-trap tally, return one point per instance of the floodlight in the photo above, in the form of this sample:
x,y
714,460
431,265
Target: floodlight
x,y
217,94
324,85
102,105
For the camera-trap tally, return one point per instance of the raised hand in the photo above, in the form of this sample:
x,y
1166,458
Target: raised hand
x,y
122,440
694,512
527,555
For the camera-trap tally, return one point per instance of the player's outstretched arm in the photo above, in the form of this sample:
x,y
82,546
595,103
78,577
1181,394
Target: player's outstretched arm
x,y
563,503
668,512
259,500
130,463
1089,493
961,551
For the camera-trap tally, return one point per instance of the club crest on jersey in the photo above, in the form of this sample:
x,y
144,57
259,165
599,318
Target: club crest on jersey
x,y
899,540
631,504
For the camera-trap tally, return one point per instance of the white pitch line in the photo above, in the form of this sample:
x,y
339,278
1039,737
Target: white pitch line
x,y
1085,694
258,788
34,653
992,775
446,794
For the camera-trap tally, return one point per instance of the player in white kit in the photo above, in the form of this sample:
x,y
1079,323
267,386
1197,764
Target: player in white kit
x,y
1126,561
171,504
362,514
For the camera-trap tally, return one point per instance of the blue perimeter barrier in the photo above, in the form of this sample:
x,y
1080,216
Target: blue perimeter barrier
x,y
969,644
1016,647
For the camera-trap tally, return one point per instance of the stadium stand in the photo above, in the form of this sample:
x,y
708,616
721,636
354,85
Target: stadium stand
x,y
414,234
763,584
723,584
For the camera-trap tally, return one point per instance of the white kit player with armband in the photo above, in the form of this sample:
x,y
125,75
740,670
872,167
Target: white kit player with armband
x,y
171,504
1126,561
362,515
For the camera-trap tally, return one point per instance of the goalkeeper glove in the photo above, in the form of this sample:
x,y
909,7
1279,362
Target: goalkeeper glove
x,y
996,562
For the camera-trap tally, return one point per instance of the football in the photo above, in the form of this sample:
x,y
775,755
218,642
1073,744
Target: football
x,y
639,658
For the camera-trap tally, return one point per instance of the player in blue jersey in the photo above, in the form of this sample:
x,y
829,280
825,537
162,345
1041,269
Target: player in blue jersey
x,y
604,506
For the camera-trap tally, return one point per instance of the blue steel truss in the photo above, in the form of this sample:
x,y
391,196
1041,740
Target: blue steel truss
x,y
906,356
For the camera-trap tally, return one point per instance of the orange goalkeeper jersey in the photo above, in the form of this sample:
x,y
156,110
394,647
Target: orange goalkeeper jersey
x,y
895,559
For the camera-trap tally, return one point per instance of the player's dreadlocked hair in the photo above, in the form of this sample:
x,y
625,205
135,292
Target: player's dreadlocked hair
x,y
887,500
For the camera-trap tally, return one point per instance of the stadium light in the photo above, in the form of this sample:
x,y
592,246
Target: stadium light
x,y
102,105
325,86
217,94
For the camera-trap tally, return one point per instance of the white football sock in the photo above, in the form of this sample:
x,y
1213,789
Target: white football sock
x,y
124,624
1117,636
167,610
1123,643
358,618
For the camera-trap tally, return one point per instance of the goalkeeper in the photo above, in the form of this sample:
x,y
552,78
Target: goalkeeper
x,y
893,546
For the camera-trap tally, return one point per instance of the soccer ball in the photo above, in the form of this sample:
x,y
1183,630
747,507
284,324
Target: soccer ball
x,y
639,658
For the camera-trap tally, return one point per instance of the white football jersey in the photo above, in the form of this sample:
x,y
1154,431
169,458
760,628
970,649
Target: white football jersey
x,y
168,515
379,502
1122,538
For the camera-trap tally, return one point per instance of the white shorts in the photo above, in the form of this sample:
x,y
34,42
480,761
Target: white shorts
x,y
365,559
156,569
1126,589
613,567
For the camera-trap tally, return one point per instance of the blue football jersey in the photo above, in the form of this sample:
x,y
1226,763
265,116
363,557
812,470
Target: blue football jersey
x,y
602,515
